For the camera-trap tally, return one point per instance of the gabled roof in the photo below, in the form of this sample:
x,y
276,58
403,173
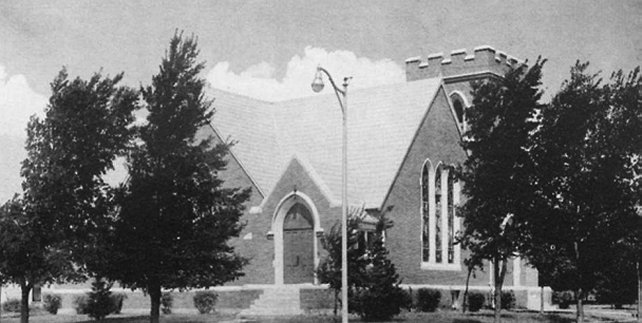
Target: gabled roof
x,y
382,122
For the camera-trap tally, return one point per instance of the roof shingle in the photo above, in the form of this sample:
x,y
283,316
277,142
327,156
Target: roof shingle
x,y
382,122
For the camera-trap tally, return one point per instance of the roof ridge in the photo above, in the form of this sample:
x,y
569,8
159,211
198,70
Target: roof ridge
x,y
239,95
276,102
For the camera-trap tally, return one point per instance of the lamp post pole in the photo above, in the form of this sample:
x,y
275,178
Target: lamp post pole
x,y
342,96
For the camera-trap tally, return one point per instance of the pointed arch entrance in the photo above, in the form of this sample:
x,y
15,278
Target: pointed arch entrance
x,y
295,226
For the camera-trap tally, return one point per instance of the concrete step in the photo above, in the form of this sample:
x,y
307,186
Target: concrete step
x,y
275,302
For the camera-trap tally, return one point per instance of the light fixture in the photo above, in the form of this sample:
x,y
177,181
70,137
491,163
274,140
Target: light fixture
x,y
317,84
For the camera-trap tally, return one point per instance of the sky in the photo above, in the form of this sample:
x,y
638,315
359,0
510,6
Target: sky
x,y
269,49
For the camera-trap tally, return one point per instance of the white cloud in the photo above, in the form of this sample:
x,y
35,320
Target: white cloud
x,y
17,103
259,81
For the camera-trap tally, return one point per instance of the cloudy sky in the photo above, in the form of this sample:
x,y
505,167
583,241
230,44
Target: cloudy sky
x,y
269,49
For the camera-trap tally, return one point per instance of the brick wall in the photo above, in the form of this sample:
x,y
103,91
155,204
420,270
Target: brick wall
x,y
438,140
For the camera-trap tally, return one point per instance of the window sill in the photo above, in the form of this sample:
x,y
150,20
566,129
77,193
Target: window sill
x,y
435,266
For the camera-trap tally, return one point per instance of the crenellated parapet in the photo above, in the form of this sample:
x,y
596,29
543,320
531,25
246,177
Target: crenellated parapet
x,y
483,60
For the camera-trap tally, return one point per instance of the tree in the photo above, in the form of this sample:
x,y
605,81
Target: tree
x,y
175,217
472,263
329,270
373,284
587,153
99,303
46,232
378,297
497,172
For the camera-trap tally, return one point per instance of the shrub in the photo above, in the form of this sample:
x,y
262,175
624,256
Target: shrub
x,y
11,305
378,304
428,299
166,303
563,298
80,304
508,300
378,295
204,301
51,303
117,302
99,302
475,301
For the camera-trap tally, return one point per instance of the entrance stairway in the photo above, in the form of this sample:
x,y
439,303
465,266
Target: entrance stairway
x,y
275,301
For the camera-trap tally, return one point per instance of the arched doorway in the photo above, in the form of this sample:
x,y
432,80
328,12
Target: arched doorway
x,y
298,245
296,230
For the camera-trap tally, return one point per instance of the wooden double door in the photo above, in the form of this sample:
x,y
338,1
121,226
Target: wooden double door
x,y
298,246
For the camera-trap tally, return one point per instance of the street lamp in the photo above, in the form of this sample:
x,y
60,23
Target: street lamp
x,y
342,95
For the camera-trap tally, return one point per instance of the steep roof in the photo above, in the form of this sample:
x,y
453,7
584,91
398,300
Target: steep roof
x,y
382,122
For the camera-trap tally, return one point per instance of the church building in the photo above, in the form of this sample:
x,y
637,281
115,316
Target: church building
x,y
403,144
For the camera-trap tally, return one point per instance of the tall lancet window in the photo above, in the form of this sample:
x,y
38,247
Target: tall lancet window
x,y
451,215
438,217
425,211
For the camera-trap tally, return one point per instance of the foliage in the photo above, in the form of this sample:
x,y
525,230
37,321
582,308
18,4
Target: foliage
x,y
587,152
115,305
563,299
329,270
80,304
48,233
508,300
378,297
11,305
51,303
428,299
167,301
498,170
204,301
176,217
617,283
475,301
117,300
99,302
472,263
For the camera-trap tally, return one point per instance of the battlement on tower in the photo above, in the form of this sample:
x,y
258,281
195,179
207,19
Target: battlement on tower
x,y
483,60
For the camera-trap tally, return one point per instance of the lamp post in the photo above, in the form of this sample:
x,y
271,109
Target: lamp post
x,y
342,96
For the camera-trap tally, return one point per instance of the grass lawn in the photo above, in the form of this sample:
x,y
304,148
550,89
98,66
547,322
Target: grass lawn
x,y
438,317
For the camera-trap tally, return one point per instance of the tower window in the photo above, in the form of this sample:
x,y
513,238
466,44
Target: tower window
x,y
459,106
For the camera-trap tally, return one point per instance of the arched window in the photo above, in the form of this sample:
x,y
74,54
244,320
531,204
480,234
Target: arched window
x,y
451,215
459,106
439,196
438,217
425,211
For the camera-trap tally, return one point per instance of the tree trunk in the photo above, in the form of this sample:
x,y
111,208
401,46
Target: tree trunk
x,y
541,301
25,288
336,301
579,313
499,280
580,306
155,296
465,300
637,265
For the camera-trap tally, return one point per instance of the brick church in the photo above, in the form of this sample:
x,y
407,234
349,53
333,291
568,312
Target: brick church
x,y
404,140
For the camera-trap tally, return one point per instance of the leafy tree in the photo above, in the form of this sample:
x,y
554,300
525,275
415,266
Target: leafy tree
x,y
47,232
497,172
617,282
373,284
379,297
472,263
329,270
587,152
175,217
99,303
